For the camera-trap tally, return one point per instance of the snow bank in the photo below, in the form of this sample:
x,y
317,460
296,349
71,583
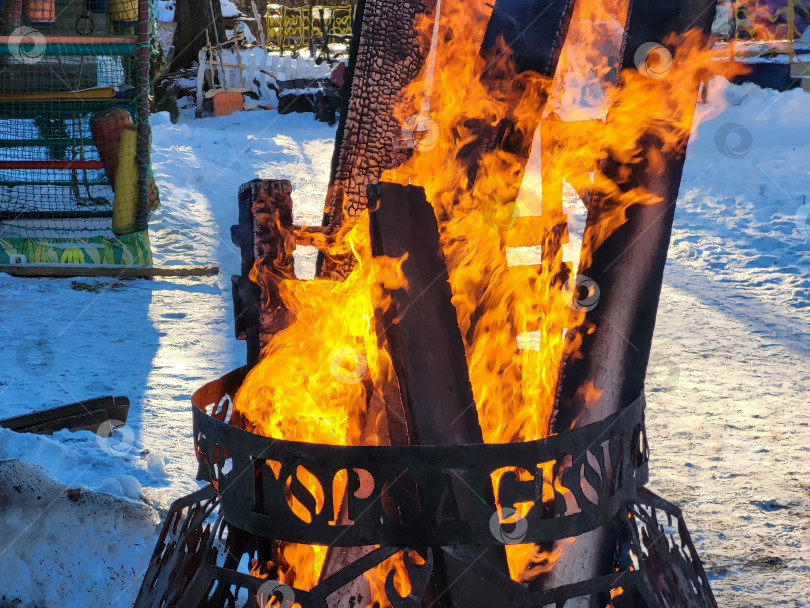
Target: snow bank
x,y
114,464
69,548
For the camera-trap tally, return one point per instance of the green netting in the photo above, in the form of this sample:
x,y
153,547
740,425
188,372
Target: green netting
x,y
74,134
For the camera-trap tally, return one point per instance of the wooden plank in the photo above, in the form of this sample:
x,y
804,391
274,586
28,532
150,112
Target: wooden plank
x,y
386,55
273,245
422,327
427,351
628,267
86,415
116,271
247,295
56,96
533,29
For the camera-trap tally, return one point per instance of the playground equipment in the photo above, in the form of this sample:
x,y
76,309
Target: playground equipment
x,y
75,176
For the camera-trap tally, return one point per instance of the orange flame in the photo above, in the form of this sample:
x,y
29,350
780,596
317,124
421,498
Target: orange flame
x,y
502,301
315,376
513,288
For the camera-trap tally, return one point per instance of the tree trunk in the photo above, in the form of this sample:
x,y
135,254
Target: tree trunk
x,y
193,18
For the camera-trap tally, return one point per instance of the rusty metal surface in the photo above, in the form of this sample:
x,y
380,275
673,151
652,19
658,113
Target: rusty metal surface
x,y
238,463
179,552
198,555
196,561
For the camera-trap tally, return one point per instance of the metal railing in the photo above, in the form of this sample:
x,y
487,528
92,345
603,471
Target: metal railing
x,y
322,28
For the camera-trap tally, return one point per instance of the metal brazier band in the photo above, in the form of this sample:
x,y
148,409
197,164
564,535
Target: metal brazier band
x,y
411,495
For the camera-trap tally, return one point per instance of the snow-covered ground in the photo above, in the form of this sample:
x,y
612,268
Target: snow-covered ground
x,y
728,417
728,421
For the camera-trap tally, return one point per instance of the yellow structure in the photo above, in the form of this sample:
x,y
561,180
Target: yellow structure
x,y
295,25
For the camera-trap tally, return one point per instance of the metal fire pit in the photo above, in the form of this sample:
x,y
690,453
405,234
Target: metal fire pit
x,y
197,559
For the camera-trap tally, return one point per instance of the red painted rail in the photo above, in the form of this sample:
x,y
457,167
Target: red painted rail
x,y
50,164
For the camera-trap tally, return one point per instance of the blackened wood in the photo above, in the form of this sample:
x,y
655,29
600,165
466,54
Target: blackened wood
x,y
346,89
534,30
242,232
246,294
264,234
273,246
628,267
86,415
422,326
387,54
247,302
423,338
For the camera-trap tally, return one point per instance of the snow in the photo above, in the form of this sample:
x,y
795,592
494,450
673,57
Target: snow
x,y
728,384
729,425
69,548
229,9
115,463
260,71
164,10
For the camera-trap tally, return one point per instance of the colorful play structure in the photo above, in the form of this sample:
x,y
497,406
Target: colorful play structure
x,y
75,178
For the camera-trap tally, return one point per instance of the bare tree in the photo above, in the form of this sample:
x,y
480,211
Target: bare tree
x,y
193,18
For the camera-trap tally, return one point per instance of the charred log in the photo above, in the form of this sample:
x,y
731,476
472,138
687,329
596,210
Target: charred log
x,y
628,268
265,237
386,57
428,356
531,32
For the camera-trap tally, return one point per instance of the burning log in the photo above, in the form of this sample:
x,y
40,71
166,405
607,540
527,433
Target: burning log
x,y
628,268
385,57
264,233
421,326
274,243
532,31
423,338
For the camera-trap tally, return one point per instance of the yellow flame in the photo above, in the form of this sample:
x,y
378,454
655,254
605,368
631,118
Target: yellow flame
x,y
315,377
